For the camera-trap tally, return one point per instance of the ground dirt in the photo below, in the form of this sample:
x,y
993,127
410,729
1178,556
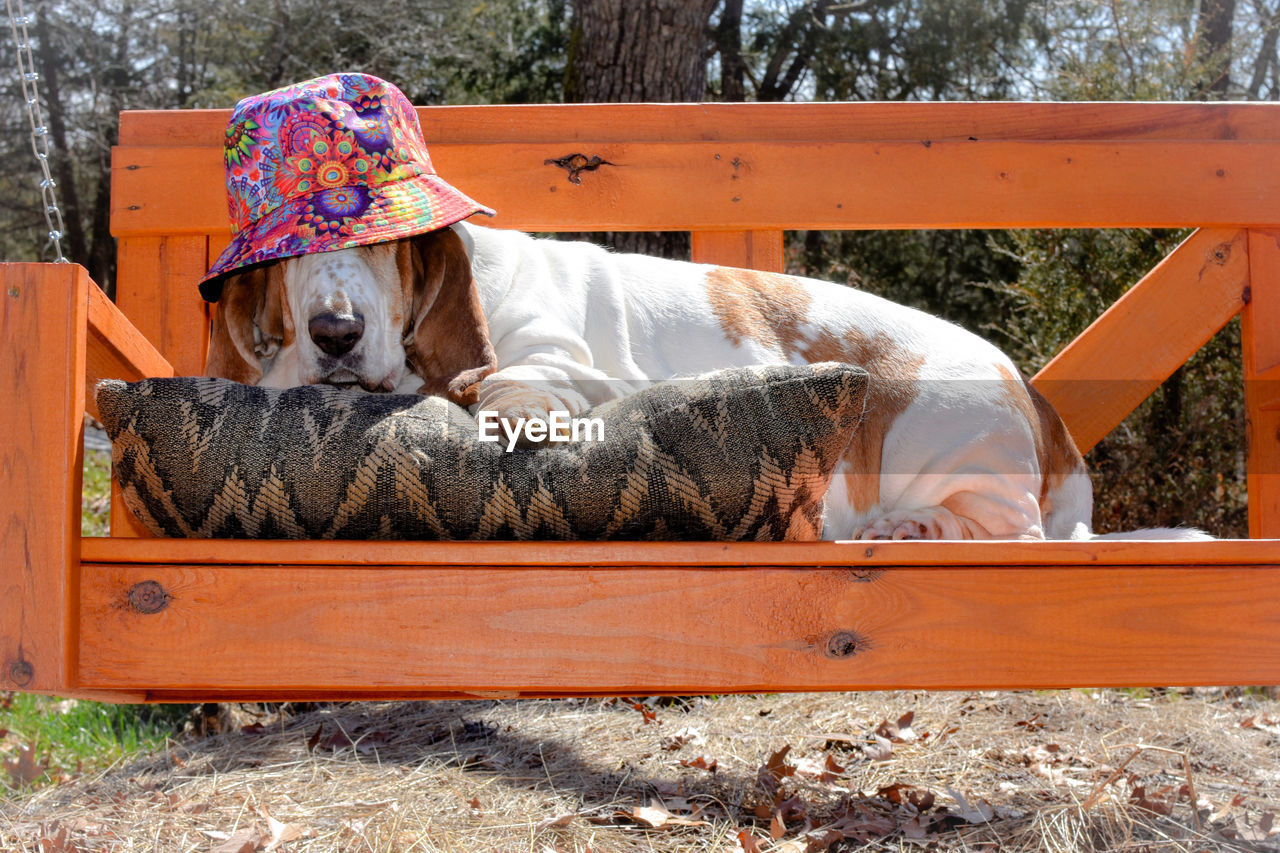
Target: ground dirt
x,y
1061,771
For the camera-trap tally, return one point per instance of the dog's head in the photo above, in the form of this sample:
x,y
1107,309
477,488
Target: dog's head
x,y
363,317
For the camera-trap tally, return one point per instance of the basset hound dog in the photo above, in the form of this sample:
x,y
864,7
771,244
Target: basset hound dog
x,y
954,443
350,264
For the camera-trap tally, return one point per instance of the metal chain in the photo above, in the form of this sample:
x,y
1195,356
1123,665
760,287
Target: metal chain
x,y
39,133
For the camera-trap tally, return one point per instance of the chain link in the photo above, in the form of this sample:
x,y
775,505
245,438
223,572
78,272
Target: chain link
x,y
39,132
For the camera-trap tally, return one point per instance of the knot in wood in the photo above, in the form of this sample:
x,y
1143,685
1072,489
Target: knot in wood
x,y
148,597
576,164
844,644
20,672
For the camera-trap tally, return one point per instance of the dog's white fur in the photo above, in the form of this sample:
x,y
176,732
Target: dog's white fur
x,y
955,447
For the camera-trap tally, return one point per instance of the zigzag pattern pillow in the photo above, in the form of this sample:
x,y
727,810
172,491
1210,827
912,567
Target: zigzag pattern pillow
x,y
742,454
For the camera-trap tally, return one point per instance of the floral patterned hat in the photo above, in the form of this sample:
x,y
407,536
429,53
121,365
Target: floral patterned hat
x,y
328,164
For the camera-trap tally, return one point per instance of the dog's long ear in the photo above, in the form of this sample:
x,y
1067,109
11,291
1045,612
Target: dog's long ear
x,y
446,338
248,324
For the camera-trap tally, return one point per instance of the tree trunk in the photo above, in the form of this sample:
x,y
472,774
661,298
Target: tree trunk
x,y
1213,48
62,157
116,80
733,70
625,51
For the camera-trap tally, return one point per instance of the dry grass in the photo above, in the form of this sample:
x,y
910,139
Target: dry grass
x,y
982,771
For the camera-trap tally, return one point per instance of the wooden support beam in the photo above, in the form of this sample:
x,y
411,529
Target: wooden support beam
x,y
757,250
856,556
266,631
795,122
43,319
116,349
1260,338
156,289
1137,343
772,185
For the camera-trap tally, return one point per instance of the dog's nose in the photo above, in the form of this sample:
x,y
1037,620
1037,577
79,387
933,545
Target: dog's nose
x,y
336,334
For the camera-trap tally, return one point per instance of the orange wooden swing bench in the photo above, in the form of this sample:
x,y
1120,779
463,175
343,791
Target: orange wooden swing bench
x,y
132,618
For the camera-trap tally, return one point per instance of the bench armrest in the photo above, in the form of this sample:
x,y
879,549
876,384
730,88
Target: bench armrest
x,y
116,349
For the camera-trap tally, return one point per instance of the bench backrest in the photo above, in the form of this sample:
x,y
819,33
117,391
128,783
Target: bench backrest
x,y
738,175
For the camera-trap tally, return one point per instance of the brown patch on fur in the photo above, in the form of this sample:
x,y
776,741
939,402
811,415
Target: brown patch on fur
x,y
1056,451
773,310
768,308
447,339
251,300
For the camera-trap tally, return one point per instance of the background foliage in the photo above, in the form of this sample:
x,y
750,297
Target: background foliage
x,y
1178,459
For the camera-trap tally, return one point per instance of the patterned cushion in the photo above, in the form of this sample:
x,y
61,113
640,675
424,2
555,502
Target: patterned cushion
x,y
741,454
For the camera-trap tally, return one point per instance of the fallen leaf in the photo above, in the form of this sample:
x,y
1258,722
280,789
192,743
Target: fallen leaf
x,y
914,829
748,842
23,769
769,777
980,813
879,749
282,833
825,771
1154,803
898,732
650,716
244,841
370,742
701,763
666,788
1268,723
865,825
777,764
1031,724
557,822
793,808
315,738
685,736
655,816
337,741
56,839
822,843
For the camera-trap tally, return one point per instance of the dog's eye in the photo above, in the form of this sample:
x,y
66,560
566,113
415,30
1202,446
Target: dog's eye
x,y
265,346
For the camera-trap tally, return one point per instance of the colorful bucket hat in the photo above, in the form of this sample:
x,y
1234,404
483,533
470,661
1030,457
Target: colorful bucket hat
x,y
335,162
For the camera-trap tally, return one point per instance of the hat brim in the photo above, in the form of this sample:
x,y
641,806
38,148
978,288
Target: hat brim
x,y
304,226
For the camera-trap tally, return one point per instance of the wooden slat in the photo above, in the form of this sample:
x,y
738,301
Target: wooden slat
x,y
43,321
116,349
757,250
784,121
1260,338
1138,342
483,630
856,555
701,186
157,290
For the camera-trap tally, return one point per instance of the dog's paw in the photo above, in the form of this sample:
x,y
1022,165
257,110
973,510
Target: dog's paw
x,y
900,526
524,420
